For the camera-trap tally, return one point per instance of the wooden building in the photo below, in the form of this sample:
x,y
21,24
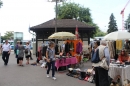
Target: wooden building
x,y
44,30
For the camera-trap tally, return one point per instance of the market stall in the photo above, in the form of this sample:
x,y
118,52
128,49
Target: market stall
x,y
65,62
117,67
122,70
65,57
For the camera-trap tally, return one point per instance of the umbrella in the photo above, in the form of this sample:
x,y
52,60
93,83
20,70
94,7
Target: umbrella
x,y
62,35
118,35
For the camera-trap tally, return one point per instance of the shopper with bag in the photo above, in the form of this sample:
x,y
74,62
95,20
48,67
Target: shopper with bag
x,y
50,57
101,64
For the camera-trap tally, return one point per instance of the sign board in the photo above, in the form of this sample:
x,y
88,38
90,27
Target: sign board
x,y
18,36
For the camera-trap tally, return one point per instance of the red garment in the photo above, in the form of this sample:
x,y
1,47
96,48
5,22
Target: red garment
x,y
39,54
123,58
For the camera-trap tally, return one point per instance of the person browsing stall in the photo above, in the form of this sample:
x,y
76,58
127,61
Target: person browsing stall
x,y
101,74
6,49
123,57
50,57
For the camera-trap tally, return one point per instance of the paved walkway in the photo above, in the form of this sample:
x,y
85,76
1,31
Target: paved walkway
x,y
13,75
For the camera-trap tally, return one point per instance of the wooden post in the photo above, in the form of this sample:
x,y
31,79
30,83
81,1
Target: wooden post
x,y
43,36
36,41
88,36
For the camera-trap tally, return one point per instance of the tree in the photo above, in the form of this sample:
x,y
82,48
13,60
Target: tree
x,y
1,3
127,24
100,33
112,24
8,35
77,12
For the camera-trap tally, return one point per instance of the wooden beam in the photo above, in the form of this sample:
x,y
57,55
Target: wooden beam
x,y
88,36
36,43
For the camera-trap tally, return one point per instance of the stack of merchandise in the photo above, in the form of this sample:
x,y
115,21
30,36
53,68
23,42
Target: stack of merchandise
x,y
86,75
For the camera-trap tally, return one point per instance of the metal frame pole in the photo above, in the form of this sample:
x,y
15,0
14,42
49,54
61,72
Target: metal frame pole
x,y
56,21
56,17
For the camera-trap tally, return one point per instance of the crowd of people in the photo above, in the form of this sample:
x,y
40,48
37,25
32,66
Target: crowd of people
x,y
19,51
98,50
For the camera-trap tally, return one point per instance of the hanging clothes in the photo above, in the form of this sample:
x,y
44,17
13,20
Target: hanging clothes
x,y
110,49
79,48
72,46
117,44
39,54
60,49
44,50
63,48
120,45
123,43
67,47
57,49
113,49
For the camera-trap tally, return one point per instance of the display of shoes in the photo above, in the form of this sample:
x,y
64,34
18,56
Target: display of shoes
x,y
86,75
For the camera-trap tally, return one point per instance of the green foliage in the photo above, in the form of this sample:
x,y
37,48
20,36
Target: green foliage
x,y
100,33
80,13
127,22
68,11
1,3
112,24
9,35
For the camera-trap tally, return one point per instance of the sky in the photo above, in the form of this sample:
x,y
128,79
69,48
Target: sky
x,y
18,15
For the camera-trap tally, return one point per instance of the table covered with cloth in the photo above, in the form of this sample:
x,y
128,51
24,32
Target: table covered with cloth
x,y
124,72
65,62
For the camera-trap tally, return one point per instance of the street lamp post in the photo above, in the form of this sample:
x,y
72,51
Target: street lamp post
x,y
56,17
56,1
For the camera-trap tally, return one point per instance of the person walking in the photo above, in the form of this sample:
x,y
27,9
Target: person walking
x,y
101,74
21,54
30,50
16,51
6,50
50,57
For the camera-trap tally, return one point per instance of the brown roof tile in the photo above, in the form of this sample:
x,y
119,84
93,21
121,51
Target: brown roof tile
x,y
62,23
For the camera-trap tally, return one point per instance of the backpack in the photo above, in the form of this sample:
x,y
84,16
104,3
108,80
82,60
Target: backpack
x,y
95,56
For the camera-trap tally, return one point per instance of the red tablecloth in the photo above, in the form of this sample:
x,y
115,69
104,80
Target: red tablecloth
x,y
66,62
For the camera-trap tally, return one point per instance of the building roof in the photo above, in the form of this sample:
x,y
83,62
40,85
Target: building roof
x,y
62,23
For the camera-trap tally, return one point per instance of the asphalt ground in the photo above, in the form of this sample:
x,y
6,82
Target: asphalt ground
x,y
13,75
